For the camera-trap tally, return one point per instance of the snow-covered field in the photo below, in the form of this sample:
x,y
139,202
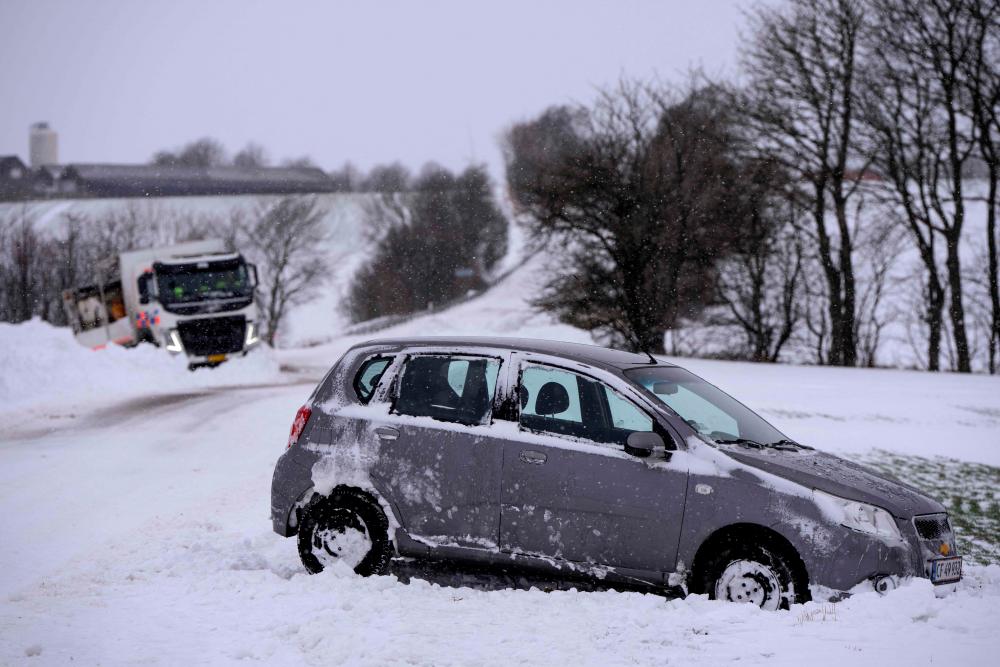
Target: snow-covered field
x,y
134,521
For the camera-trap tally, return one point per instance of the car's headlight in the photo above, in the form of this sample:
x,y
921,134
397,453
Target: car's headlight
x,y
861,517
174,341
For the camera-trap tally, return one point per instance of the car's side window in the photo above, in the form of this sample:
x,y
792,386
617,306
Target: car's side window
x,y
368,376
625,415
553,400
448,387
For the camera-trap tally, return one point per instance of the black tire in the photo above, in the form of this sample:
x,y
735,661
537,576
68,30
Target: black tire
x,y
346,508
781,561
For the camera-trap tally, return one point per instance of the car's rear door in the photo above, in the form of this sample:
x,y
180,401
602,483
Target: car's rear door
x,y
438,460
569,491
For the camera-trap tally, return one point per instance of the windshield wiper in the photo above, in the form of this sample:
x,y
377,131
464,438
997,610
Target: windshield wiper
x,y
784,443
741,441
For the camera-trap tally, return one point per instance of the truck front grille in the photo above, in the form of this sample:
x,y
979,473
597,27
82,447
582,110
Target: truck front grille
x,y
213,335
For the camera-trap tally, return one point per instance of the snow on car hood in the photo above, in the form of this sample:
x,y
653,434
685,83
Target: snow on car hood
x,y
838,476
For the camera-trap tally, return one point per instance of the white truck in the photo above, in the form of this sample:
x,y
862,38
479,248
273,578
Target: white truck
x,y
194,298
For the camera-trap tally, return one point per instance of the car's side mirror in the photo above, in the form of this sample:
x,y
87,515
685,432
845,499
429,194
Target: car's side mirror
x,y
642,443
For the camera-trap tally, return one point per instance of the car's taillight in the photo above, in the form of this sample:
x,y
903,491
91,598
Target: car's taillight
x,y
301,417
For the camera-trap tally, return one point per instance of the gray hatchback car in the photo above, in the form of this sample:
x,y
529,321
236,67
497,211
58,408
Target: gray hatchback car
x,y
572,461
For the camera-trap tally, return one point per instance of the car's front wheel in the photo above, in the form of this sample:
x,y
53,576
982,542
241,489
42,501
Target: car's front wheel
x,y
764,575
344,527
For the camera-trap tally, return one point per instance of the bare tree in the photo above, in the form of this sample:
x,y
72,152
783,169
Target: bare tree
x,y
204,152
285,238
815,310
346,179
71,264
879,243
21,263
303,161
388,178
25,253
431,246
759,283
801,104
913,112
636,193
981,76
250,156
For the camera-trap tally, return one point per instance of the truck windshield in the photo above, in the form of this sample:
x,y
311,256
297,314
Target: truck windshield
x,y
708,409
184,283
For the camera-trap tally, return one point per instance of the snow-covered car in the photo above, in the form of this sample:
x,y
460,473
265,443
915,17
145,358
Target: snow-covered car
x,y
574,460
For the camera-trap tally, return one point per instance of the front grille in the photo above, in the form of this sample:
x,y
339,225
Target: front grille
x,y
206,307
213,335
932,526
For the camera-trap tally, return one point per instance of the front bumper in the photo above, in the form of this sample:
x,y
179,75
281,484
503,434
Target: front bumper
x,y
212,340
933,539
859,561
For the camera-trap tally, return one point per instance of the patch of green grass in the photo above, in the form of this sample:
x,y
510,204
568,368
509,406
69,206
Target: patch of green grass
x,y
969,491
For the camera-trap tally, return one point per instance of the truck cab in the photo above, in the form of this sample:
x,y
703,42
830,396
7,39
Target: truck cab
x,y
196,299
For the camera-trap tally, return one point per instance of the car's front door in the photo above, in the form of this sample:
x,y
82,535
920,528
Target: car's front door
x,y
569,491
437,460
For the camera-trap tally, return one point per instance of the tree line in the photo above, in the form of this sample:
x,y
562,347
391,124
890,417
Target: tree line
x,y
210,152
777,205
286,238
432,243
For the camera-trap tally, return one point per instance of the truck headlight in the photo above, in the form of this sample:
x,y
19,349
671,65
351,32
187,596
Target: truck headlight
x,y
861,517
252,335
174,343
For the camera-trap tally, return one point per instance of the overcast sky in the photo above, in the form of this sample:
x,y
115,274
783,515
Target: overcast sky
x,y
368,82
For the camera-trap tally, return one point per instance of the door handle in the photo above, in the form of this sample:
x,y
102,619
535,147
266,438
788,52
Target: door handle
x,y
386,433
533,457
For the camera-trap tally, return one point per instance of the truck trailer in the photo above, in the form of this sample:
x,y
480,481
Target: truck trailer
x,y
194,298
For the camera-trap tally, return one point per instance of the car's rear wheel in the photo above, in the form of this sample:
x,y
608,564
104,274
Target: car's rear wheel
x,y
345,527
764,575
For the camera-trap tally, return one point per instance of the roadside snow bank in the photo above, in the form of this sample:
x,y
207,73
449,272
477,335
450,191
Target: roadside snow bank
x,y
44,368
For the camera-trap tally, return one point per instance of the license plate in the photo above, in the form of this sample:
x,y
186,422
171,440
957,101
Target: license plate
x,y
212,358
944,570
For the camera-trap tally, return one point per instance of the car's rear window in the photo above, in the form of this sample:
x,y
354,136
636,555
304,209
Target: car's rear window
x,y
367,377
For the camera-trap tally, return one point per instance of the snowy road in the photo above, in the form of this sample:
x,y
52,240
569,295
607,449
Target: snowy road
x,y
66,493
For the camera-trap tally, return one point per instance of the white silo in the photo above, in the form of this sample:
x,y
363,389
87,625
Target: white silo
x,y
43,145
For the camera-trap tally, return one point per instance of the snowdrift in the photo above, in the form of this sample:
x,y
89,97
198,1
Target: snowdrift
x,y
44,368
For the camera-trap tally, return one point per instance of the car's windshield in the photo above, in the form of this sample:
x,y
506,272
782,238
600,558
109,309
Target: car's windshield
x,y
708,410
192,283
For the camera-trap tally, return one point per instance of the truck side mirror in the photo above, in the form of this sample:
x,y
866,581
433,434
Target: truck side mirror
x,y
253,274
144,287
